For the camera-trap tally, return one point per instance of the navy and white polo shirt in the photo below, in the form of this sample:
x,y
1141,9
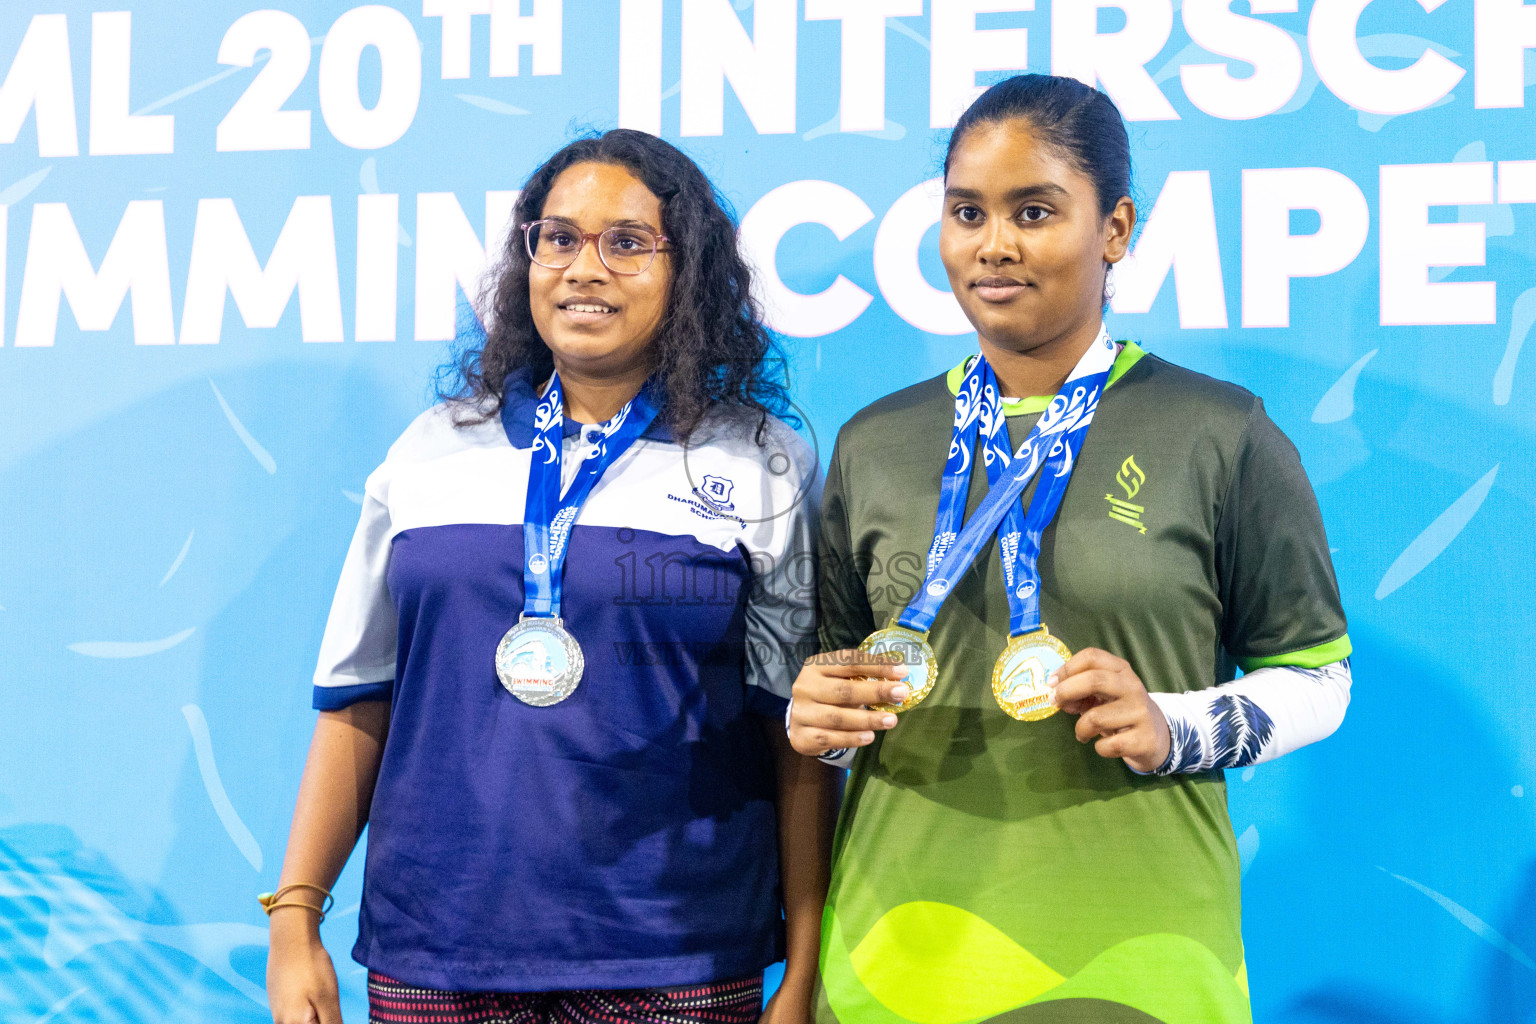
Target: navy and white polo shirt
x,y
625,837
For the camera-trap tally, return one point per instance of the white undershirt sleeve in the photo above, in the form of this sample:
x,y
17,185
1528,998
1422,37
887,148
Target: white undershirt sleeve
x,y
1267,713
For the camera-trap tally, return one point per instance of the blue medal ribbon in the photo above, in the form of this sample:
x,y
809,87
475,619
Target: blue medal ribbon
x,y
1053,443
547,515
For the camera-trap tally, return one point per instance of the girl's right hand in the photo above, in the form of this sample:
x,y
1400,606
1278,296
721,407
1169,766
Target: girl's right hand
x,y
301,980
830,708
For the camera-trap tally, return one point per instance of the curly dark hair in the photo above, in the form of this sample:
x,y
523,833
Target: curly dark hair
x,y
711,347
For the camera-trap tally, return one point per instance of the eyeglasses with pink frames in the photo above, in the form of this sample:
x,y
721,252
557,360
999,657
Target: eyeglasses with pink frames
x,y
623,249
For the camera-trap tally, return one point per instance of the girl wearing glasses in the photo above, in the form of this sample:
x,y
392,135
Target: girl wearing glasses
x,y
997,860
554,677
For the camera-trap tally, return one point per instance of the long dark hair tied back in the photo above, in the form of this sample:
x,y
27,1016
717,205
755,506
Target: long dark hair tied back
x,y
1075,119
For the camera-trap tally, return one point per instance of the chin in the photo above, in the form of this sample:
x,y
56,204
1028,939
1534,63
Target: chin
x,y
580,345
1007,332
591,352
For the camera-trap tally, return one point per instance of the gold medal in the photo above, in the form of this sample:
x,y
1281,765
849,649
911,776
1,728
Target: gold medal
x,y
916,654
1019,677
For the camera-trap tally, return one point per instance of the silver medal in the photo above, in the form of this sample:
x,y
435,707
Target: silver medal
x,y
539,662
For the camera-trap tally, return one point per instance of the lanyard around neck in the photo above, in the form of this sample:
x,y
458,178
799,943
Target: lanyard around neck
x,y
547,514
1053,442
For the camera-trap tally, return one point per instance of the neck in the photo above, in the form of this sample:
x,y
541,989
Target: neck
x,y
1043,369
597,398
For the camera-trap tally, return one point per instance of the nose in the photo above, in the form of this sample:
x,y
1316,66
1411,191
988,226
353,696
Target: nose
x,y
588,265
999,244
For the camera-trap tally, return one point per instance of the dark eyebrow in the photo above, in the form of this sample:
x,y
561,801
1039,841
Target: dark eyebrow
x,y
1043,190
615,224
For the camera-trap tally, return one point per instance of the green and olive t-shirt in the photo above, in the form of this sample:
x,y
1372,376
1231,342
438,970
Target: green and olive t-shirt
x,y
987,869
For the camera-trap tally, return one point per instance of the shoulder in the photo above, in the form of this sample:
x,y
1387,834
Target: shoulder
x,y
444,429
888,421
1166,380
763,441
753,480
1218,431
1156,391
441,432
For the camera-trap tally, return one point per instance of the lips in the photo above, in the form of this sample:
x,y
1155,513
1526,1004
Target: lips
x,y
585,311
997,289
586,306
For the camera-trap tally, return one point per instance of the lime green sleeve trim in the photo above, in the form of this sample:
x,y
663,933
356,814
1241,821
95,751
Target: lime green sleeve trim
x,y
1129,356
1312,657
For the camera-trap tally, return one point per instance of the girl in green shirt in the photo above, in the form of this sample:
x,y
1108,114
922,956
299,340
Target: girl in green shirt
x,y
1078,866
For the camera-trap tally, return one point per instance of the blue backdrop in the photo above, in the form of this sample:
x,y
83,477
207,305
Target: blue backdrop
x,y
1337,209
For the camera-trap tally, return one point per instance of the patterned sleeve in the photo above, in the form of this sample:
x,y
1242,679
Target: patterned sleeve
x,y
1267,713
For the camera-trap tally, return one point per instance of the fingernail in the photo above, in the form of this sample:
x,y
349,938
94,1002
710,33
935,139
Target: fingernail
x,y
899,693
866,738
1053,678
889,721
902,671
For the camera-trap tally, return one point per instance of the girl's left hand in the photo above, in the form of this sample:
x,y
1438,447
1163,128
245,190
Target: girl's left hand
x,y
1111,703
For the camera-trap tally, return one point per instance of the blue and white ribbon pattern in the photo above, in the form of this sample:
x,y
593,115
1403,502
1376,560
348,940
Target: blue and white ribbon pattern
x,y
547,516
1053,443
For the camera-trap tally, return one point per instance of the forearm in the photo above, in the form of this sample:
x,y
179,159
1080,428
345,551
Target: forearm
x,y
1266,713
807,813
333,801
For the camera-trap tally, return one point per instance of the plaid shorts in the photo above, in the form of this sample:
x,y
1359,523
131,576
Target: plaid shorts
x,y
722,1002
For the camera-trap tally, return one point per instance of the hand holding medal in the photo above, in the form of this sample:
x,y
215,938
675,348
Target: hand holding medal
x,y
1112,703
842,698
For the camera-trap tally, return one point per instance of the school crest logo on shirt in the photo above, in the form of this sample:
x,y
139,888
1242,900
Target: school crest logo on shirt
x,y
716,491
711,499
1130,478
